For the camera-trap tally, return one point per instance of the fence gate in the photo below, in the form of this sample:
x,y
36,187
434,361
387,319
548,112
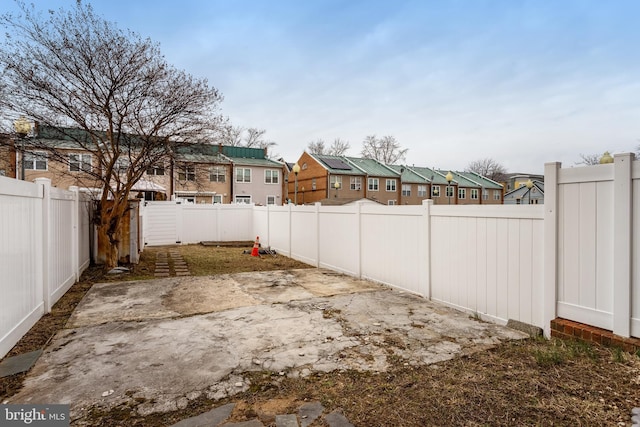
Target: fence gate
x,y
162,223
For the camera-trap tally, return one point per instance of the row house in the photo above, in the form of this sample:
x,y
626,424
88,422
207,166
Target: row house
x,y
195,173
325,178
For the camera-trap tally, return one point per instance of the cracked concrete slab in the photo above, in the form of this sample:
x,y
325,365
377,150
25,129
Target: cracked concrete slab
x,y
156,345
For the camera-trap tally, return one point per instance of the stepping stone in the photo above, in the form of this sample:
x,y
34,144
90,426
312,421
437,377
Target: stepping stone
x,y
161,274
212,418
336,419
186,273
20,363
309,412
252,423
286,421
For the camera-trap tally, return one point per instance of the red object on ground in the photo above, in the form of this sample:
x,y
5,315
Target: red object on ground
x,y
256,246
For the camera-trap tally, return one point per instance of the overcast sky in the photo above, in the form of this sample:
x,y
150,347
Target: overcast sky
x,y
522,82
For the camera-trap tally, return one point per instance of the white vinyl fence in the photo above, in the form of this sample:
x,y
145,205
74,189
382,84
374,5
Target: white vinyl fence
x,y
44,247
574,257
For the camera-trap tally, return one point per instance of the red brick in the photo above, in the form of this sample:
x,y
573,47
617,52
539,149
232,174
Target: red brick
x,y
596,337
568,329
586,334
606,340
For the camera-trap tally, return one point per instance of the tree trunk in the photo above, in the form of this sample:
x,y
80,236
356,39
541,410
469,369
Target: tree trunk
x,y
110,230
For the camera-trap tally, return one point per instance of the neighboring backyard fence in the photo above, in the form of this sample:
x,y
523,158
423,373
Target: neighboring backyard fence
x,y
44,247
575,257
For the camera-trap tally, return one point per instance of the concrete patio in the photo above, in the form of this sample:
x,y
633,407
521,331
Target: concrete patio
x,y
155,345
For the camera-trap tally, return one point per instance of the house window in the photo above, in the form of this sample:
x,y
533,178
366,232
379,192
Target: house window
x,y
517,201
156,170
217,198
121,165
462,193
313,184
373,184
243,199
243,175
485,194
449,191
474,194
406,189
356,183
80,162
271,176
35,161
304,166
496,194
435,191
271,200
391,185
217,174
3,172
187,173
392,203
335,179
422,191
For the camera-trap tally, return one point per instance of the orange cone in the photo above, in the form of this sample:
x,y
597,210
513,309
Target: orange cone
x,y
256,246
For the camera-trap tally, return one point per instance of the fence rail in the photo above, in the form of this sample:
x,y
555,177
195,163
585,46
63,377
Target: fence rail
x,y
44,247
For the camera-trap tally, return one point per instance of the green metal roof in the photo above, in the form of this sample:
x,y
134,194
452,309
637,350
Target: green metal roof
x,y
483,181
408,175
436,177
244,152
243,161
461,180
373,168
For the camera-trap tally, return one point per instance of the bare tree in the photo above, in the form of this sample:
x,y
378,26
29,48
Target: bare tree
x,y
231,135
339,147
110,91
488,168
386,149
317,147
589,159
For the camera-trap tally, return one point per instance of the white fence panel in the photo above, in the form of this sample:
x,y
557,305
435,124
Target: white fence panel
x,y
261,223
22,302
393,244
41,255
278,235
236,223
161,223
339,246
62,249
304,234
585,245
489,260
200,223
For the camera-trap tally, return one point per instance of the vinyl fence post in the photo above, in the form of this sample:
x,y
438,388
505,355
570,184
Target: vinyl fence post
x,y
45,185
290,233
359,238
622,220
549,292
425,245
318,233
75,229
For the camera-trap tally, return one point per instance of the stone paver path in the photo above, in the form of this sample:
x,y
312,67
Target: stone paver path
x,y
170,264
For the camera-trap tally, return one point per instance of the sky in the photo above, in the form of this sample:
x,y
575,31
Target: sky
x,y
521,82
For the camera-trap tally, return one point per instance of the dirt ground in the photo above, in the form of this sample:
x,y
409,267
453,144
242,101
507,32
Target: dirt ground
x,y
531,382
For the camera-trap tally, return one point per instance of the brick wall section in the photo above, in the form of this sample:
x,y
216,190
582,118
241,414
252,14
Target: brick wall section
x,y
567,329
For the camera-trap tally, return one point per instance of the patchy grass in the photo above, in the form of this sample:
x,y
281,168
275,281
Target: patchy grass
x,y
533,382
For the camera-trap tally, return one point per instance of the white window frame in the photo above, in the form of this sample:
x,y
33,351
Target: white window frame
x,y
217,174
243,175
392,203
373,184
435,191
242,199
121,165
422,191
81,163
271,200
474,194
333,180
217,199
496,195
31,161
269,177
391,185
450,191
356,183
406,190
485,194
462,193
